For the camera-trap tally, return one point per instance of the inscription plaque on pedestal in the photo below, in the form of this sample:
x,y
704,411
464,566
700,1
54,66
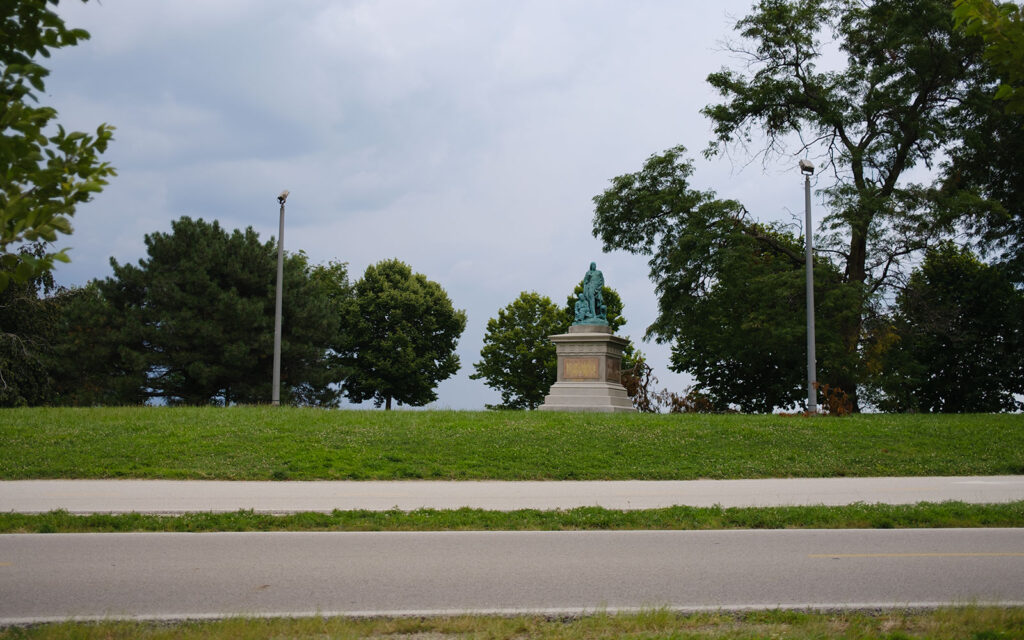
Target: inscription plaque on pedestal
x,y
577,369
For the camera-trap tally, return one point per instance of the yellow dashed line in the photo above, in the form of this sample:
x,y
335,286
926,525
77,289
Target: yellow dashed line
x,y
998,554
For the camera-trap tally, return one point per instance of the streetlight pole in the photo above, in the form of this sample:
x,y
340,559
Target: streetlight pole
x,y
275,398
807,169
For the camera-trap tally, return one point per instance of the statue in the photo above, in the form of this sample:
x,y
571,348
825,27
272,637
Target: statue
x,y
590,307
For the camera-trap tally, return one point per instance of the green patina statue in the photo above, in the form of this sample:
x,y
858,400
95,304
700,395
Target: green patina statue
x,y
590,307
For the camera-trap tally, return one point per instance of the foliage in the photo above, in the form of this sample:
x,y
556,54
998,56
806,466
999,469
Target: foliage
x,y
98,358
959,339
26,333
404,334
263,443
43,176
982,184
640,384
1001,26
731,291
517,358
893,106
197,315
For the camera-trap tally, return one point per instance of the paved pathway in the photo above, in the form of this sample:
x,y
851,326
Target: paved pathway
x,y
172,496
187,575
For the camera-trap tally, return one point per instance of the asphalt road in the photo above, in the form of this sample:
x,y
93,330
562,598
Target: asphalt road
x,y
178,496
165,575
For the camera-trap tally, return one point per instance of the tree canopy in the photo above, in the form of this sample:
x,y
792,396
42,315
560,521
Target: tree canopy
x,y
517,358
957,339
730,290
44,174
728,285
893,106
404,331
199,312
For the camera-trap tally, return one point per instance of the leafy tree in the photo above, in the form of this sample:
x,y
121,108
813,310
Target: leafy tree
x,y
44,175
1001,26
404,334
26,332
957,342
517,358
200,311
891,108
730,291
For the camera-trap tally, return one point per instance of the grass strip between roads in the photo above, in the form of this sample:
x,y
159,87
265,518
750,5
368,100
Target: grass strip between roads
x,y
857,516
265,443
981,623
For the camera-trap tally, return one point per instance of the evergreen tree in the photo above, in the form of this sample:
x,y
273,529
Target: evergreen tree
x,y
200,311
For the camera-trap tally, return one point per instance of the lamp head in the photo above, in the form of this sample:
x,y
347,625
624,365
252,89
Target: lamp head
x,y
806,167
284,196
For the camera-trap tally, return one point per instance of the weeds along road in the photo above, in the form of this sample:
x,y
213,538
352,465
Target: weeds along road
x,y
53,576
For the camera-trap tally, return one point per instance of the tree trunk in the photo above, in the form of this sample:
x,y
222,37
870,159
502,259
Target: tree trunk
x,y
387,404
856,273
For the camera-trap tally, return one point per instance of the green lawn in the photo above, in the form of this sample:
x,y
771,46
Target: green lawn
x,y
979,623
263,443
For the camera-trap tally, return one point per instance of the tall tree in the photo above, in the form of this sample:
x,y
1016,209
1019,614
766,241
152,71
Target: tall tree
x,y
202,307
45,171
405,330
730,290
889,109
957,341
517,358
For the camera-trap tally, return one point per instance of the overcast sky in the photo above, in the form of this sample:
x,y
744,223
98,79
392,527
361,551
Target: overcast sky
x,y
466,138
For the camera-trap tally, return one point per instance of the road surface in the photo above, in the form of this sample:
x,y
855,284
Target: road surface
x,y
179,496
170,576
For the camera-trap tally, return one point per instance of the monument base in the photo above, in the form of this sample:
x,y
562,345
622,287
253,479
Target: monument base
x,y
589,370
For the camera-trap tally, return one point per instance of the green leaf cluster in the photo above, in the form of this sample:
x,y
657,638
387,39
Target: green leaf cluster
x,y
1001,26
405,329
43,176
517,358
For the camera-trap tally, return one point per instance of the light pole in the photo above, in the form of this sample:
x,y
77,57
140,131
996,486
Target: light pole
x,y
807,169
275,397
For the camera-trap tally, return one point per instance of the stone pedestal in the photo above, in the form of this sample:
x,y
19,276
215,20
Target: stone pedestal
x,y
589,366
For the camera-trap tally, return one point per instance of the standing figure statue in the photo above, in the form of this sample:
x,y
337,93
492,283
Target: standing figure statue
x,y
590,306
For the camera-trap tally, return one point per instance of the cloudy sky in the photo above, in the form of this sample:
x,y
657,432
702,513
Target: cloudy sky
x,y
465,137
